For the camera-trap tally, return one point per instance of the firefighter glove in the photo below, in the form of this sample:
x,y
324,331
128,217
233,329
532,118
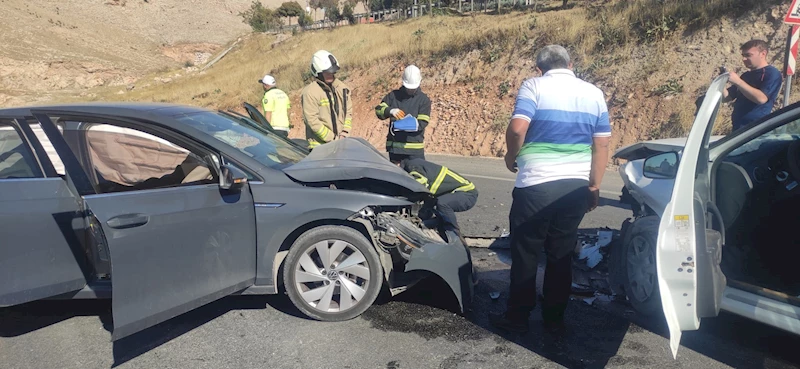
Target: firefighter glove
x,y
397,113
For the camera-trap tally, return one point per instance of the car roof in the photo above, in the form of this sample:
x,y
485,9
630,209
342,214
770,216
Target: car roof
x,y
123,109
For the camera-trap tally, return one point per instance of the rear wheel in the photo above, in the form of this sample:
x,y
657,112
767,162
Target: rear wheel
x,y
332,273
641,276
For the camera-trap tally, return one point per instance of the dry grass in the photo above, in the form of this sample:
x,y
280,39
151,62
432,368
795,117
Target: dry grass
x,y
422,40
595,35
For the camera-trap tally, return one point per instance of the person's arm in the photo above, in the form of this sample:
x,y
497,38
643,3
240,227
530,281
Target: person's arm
x,y
749,92
424,115
382,110
310,107
515,138
600,142
524,109
269,106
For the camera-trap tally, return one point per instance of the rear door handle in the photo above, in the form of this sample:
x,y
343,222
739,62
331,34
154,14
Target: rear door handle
x,y
128,221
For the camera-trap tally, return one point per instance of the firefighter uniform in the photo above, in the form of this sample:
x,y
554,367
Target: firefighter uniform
x,y
404,144
327,113
277,102
453,192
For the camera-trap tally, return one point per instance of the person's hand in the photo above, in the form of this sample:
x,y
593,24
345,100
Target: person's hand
x,y
594,198
343,134
397,113
734,78
511,163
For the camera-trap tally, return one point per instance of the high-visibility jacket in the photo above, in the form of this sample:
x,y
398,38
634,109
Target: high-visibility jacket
x,y
327,111
418,106
277,102
437,178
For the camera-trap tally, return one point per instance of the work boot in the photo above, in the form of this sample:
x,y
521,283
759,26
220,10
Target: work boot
x,y
511,324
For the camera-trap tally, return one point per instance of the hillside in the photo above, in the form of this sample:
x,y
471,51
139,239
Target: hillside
x,y
652,65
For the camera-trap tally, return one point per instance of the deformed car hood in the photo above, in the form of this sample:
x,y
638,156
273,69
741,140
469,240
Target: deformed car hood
x,y
645,149
350,159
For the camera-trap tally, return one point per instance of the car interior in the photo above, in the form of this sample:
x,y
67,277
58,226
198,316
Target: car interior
x,y
123,159
757,190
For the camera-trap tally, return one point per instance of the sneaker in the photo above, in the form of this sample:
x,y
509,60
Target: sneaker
x,y
502,322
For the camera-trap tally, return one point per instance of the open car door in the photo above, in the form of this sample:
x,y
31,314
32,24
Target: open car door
x,y
256,115
691,233
173,246
41,253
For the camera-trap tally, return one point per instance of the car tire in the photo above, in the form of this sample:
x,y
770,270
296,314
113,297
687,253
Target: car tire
x,y
343,287
640,278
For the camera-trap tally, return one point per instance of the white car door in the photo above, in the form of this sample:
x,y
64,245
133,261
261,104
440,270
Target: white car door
x,y
691,234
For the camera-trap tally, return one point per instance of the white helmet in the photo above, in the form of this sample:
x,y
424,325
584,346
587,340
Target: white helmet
x,y
411,77
323,61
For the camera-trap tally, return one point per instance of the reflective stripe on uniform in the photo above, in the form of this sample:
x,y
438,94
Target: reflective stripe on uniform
x,y
380,109
467,185
419,177
324,102
348,123
439,179
312,144
406,145
322,132
424,117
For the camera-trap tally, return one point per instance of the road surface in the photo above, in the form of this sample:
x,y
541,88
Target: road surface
x,y
414,330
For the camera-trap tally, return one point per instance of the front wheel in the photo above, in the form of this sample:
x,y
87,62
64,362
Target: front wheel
x,y
639,266
332,273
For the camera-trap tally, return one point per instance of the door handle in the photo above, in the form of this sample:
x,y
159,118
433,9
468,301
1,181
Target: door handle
x,y
128,221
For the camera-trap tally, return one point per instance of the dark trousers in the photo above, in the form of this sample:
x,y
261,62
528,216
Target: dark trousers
x,y
544,217
450,203
399,157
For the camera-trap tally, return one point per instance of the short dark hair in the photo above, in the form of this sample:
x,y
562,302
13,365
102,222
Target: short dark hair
x,y
552,57
760,44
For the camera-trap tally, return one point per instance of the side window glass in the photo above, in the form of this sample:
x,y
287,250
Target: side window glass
x,y
16,158
48,147
124,159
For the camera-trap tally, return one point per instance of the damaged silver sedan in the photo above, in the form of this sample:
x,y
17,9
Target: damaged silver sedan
x,y
165,208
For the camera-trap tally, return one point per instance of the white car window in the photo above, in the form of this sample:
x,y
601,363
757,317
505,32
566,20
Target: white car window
x,y
16,160
48,147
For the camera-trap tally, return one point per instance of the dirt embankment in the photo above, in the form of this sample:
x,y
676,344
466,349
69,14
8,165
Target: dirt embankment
x,y
74,47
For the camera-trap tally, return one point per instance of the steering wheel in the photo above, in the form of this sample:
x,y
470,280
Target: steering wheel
x,y
793,160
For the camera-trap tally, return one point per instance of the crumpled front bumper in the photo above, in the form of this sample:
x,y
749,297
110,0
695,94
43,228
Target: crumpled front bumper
x,y
451,261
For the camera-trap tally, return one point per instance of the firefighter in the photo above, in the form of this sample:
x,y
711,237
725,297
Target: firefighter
x,y
453,192
276,106
327,113
406,136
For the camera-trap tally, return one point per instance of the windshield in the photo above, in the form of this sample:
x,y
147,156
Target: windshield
x,y
786,132
249,138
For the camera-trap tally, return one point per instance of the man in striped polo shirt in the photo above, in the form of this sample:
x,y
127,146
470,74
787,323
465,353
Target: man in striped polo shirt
x,y
558,145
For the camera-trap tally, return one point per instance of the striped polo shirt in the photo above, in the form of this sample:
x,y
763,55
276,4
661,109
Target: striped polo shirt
x,y
565,113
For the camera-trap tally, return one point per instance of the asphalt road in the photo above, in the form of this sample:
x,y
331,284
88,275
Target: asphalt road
x,y
489,217
416,329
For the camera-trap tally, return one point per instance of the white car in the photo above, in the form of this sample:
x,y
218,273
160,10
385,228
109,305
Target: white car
x,y
714,222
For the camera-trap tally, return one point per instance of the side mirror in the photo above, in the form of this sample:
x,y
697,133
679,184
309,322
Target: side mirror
x,y
661,166
231,178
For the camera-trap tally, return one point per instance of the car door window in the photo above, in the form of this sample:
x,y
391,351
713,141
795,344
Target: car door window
x,y
16,158
48,147
119,158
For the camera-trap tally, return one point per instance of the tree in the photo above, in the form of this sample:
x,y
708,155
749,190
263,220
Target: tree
x,y
332,12
260,18
290,9
305,20
315,4
348,14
